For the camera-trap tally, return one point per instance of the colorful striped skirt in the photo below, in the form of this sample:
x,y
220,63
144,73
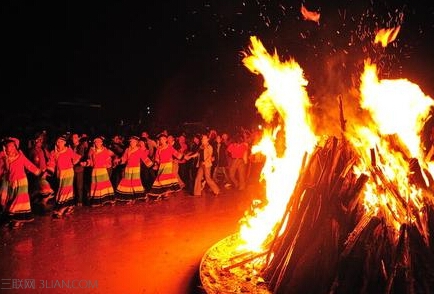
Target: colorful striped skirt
x,y
101,189
15,200
65,192
166,181
130,186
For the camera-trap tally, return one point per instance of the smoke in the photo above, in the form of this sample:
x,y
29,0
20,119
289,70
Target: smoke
x,y
334,91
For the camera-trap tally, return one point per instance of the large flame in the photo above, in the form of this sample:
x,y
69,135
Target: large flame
x,y
399,110
285,100
397,106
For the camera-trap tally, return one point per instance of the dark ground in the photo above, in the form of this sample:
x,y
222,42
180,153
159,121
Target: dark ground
x,y
147,247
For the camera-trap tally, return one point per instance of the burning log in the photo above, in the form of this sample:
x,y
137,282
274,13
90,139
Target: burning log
x,y
355,234
330,244
320,210
351,250
249,258
355,192
341,116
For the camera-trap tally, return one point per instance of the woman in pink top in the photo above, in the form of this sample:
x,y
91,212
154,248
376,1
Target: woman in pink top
x,y
61,164
166,181
100,159
14,193
130,187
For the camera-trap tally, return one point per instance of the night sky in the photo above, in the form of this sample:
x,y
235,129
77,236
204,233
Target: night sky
x,y
183,59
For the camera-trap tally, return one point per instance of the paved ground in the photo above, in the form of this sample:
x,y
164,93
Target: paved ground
x,y
148,247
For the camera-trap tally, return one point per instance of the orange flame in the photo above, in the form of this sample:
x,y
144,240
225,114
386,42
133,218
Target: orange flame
x,y
397,106
310,15
398,110
386,36
286,98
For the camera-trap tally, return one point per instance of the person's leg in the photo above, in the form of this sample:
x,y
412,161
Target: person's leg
x,y
226,179
242,175
232,172
79,187
175,170
215,174
214,188
198,182
183,173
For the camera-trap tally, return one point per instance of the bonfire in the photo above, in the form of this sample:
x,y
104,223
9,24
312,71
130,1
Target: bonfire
x,y
348,213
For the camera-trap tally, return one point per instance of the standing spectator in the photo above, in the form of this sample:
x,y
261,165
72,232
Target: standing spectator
x,y
166,181
192,163
130,187
211,138
61,164
227,141
101,160
175,161
80,146
15,199
151,145
237,170
256,160
204,154
147,174
220,163
182,147
118,147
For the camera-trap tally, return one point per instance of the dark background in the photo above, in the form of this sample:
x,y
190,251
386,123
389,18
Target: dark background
x,y
162,63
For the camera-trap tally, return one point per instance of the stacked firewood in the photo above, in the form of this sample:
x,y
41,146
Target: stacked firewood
x,y
331,244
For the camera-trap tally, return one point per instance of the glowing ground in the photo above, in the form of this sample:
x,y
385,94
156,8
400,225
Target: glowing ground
x,y
147,247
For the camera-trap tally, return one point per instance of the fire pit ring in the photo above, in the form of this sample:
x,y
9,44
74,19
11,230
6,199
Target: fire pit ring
x,y
223,269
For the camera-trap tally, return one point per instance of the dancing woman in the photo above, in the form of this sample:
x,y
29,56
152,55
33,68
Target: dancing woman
x,y
61,165
166,181
101,160
130,187
14,190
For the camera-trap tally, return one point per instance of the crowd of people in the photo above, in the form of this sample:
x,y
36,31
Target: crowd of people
x,y
56,174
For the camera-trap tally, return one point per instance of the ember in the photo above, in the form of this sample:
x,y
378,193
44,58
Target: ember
x,y
343,214
309,15
385,36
